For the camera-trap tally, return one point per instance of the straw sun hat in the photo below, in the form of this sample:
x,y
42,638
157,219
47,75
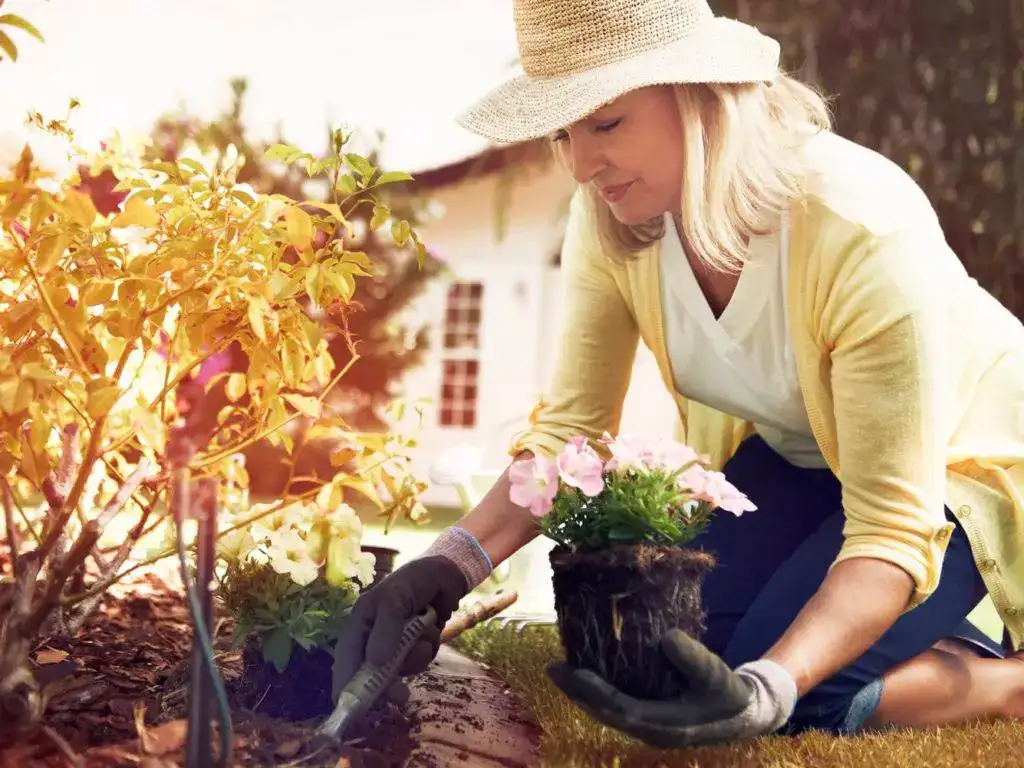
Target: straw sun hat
x,y
578,55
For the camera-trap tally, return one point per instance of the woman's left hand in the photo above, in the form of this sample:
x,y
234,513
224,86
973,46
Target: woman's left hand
x,y
718,704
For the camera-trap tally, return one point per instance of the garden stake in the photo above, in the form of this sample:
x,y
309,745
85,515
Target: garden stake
x,y
200,752
371,681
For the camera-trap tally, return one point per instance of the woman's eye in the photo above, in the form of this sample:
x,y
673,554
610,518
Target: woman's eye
x,y
559,137
605,127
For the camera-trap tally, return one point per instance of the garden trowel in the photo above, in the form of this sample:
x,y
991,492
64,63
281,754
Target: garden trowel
x,y
371,681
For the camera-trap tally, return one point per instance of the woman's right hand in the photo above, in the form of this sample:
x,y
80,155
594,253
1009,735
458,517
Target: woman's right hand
x,y
373,629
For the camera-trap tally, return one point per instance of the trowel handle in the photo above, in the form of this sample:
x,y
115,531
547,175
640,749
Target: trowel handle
x,y
371,681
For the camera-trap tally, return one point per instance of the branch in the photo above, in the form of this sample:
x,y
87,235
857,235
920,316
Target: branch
x,y
82,547
13,541
53,535
89,604
58,483
56,486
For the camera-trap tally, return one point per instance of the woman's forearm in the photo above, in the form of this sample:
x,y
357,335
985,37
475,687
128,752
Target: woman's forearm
x,y
858,602
500,525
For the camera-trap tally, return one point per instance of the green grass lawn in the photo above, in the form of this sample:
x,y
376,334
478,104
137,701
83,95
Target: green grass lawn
x,y
571,740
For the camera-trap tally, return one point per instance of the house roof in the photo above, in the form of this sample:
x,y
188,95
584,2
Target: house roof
x,y
491,159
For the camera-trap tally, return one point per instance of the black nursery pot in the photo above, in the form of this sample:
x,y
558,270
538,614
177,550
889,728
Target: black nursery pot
x,y
614,605
301,692
385,561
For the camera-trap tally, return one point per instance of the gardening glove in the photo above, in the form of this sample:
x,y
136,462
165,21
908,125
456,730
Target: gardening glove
x,y
452,566
717,705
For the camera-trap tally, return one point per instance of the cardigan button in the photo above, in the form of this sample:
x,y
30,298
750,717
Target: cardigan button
x,y
988,564
964,511
1011,611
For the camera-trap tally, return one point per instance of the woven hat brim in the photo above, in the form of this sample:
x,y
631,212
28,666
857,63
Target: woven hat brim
x,y
525,108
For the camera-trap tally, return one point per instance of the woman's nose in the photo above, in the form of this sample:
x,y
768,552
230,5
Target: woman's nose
x,y
584,161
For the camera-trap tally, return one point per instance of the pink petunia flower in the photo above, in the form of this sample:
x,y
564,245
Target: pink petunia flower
x,y
580,467
712,487
627,453
670,455
534,484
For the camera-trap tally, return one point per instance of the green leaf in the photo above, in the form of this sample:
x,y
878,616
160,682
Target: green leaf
x,y
357,257
360,164
622,534
391,177
277,648
243,196
347,184
281,152
381,214
342,283
16,21
400,231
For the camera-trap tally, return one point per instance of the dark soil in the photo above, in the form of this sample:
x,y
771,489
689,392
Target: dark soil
x,y
301,692
614,605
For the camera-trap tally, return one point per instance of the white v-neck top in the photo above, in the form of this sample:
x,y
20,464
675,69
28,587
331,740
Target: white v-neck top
x,y
742,362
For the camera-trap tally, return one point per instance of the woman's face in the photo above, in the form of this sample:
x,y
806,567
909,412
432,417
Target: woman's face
x,y
631,152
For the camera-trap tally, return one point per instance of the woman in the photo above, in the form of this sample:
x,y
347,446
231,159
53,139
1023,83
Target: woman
x,y
824,346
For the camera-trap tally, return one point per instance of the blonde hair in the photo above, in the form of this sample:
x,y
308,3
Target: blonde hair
x,y
742,168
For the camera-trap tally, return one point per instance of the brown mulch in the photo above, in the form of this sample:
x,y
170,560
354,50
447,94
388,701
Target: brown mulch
x,y
121,697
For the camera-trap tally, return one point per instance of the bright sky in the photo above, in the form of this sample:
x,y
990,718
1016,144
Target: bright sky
x,y
406,67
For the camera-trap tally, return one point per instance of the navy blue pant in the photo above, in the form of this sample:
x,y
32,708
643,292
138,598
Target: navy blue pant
x,y
771,562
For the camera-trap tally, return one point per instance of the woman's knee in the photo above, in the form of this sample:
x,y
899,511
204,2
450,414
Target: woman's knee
x,y
838,708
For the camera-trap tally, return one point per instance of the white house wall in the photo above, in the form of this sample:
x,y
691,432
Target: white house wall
x,y
521,319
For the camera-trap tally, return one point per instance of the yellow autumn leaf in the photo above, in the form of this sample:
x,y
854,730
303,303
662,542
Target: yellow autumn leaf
x,y
50,252
256,311
97,292
79,207
101,395
342,457
298,228
293,361
324,366
8,395
136,214
304,404
363,486
330,208
235,387
312,284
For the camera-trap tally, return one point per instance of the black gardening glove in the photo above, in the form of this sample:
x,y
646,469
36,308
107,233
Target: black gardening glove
x,y
373,629
718,705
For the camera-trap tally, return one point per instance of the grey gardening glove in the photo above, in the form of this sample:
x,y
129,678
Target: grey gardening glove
x,y
718,705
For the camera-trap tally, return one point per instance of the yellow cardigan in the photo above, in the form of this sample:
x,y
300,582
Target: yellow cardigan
x,y
912,374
